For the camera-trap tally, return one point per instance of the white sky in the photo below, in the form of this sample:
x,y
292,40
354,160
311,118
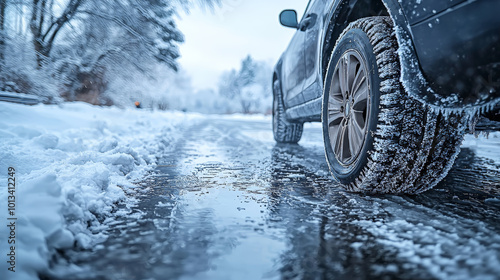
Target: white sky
x,y
218,41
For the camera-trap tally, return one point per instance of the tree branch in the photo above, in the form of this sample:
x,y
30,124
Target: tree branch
x,y
117,21
67,15
42,15
34,16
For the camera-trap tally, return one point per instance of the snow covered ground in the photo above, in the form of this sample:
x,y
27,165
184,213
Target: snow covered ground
x,y
72,164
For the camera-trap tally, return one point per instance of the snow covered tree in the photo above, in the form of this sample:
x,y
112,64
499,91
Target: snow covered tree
x,y
82,45
17,68
45,25
3,35
247,71
115,39
249,86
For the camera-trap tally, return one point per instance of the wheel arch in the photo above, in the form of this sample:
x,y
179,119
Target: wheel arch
x,y
339,17
413,78
277,77
348,11
277,70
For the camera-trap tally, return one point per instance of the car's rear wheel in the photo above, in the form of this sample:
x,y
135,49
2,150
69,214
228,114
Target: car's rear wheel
x,y
377,138
284,131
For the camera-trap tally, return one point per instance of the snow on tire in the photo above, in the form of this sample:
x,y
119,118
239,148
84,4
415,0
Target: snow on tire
x,y
284,131
408,147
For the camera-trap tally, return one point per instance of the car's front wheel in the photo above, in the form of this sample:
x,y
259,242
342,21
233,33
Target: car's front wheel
x,y
377,138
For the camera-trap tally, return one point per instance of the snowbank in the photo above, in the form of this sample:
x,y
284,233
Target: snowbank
x,y
72,164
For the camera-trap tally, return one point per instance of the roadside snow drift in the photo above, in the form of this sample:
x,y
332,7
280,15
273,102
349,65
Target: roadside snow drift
x,y
72,164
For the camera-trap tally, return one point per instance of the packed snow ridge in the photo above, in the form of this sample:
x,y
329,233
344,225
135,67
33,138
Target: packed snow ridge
x,y
73,163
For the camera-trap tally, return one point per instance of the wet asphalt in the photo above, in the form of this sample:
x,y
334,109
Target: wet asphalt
x,y
227,202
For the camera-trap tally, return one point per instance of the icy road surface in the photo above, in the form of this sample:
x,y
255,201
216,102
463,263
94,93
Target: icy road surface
x,y
228,203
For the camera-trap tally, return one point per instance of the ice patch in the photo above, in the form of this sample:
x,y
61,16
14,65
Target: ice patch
x,y
436,246
486,149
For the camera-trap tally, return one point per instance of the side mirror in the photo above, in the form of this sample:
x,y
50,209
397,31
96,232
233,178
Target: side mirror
x,y
288,18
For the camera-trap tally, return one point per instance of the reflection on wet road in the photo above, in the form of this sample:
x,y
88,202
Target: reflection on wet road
x,y
228,203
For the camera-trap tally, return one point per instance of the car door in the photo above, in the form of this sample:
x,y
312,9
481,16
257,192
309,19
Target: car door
x,y
293,69
312,26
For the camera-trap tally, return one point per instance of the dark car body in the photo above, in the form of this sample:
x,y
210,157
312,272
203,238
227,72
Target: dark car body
x,y
449,51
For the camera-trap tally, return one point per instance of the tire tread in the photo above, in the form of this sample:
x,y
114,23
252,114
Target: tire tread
x,y
414,147
285,131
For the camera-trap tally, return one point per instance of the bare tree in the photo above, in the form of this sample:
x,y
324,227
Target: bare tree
x,y
3,35
45,26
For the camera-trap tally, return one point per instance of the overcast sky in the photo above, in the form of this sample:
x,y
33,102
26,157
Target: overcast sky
x,y
218,41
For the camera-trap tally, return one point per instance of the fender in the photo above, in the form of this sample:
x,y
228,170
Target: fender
x,y
277,72
333,27
277,75
412,77
342,12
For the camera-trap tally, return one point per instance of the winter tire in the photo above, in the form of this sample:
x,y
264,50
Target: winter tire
x,y
377,138
284,131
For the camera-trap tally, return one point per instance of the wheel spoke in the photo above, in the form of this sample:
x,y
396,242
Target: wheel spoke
x,y
346,153
334,106
334,131
338,144
342,76
336,89
335,99
360,122
334,112
334,117
359,79
357,111
361,95
335,135
351,74
346,75
353,139
358,131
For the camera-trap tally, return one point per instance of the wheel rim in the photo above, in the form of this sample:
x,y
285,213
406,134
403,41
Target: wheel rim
x,y
348,107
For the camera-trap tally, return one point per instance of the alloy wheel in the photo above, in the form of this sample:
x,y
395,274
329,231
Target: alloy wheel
x,y
349,107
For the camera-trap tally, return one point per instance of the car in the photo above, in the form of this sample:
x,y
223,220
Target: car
x,y
395,83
